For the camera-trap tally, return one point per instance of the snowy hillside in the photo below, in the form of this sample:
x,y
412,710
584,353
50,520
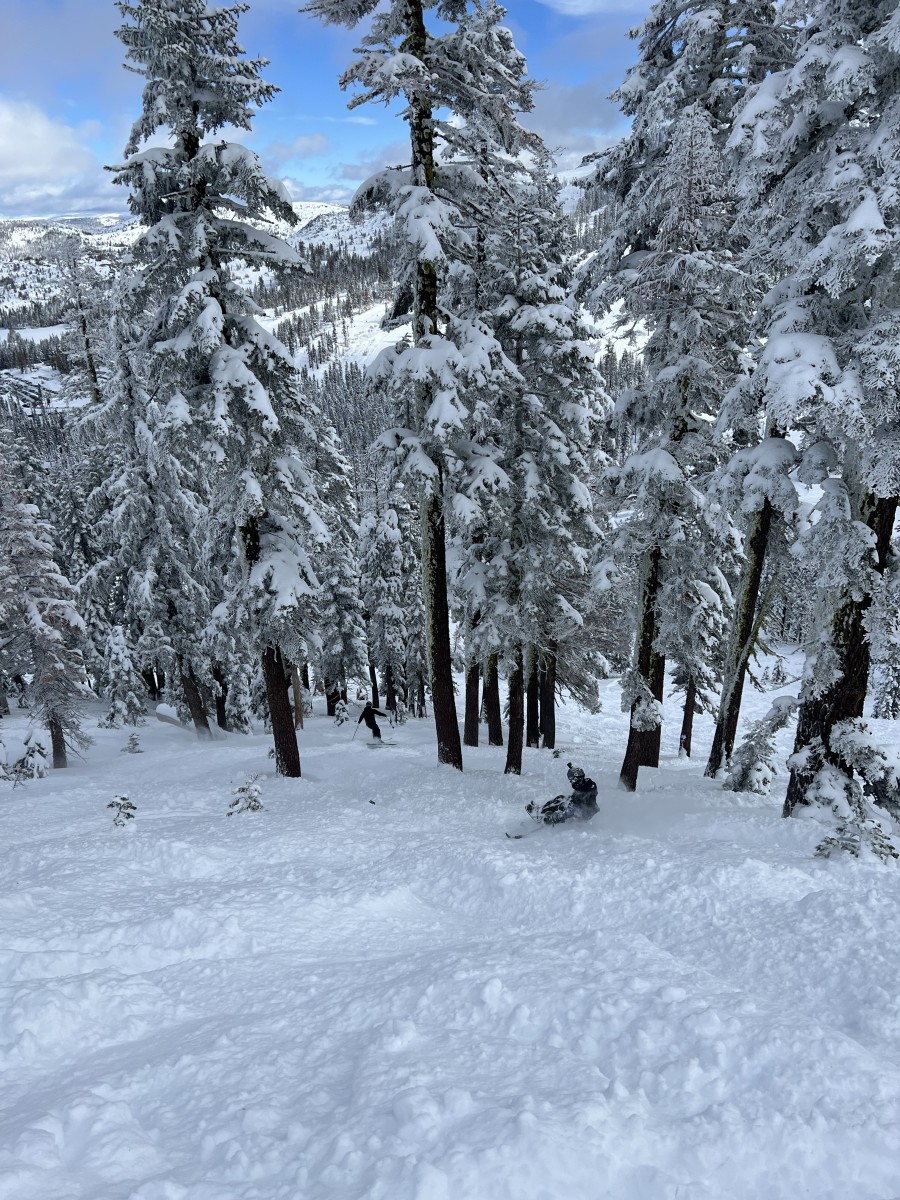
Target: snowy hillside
x,y
366,990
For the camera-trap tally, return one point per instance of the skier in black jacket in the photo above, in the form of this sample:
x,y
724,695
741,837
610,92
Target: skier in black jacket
x,y
368,715
581,805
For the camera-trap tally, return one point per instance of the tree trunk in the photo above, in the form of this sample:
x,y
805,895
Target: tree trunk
x,y
390,691
373,679
687,720
516,716
844,699
4,701
304,675
287,752
297,686
425,325
57,741
150,681
643,744
221,697
548,700
470,726
492,709
194,700
742,640
532,717
332,696
420,695
437,617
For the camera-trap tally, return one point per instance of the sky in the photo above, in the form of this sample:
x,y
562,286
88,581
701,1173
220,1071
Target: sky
x,y
67,103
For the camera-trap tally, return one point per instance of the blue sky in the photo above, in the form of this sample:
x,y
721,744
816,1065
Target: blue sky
x,y
66,103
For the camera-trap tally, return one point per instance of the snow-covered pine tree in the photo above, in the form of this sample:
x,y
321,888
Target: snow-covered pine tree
x,y
236,416
149,521
820,146
384,584
121,683
670,267
39,624
439,56
527,572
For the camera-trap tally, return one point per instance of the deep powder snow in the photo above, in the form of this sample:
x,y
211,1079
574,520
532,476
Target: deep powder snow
x,y
334,999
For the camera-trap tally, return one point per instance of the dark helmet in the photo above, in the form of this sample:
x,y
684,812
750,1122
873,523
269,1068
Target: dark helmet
x,y
574,772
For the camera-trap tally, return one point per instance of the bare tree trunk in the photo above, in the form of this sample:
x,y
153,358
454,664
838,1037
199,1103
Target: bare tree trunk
x,y
287,752
437,616
516,716
548,700
4,702
332,695
757,541
492,709
532,719
151,683
194,700
420,696
304,675
470,726
297,686
687,720
643,744
390,691
843,700
57,741
221,697
373,680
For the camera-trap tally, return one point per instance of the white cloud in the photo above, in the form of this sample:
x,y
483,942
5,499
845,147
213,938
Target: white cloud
x,y
588,8
47,166
304,146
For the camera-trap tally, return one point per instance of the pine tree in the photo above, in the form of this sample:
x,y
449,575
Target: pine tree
x,y
121,683
41,627
236,418
465,64
819,145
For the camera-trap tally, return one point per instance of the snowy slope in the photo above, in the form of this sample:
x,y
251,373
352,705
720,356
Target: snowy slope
x,y
336,998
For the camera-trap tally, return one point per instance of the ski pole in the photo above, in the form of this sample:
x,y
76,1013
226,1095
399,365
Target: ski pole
x,y
355,731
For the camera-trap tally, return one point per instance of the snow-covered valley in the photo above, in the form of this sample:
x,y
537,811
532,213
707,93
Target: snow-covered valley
x,y
367,990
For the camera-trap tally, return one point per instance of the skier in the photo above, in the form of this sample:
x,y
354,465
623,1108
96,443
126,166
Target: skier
x,y
368,715
580,805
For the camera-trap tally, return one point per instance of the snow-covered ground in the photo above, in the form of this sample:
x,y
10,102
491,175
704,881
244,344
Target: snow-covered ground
x,y
366,990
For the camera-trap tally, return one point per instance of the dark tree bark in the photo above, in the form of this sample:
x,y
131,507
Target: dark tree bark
x,y
532,712
4,702
425,324
492,709
643,744
150,681
57,741
332,696
287,752
687,720
194,699
304,675
742,640
548,700
516,716
390,691
373,680
844,699
420,696
221,697
470,726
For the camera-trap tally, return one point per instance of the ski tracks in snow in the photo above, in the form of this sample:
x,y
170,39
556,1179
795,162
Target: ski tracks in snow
x,y
338,999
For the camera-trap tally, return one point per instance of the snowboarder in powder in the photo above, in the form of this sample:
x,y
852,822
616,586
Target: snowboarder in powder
x,y
368,715
580,805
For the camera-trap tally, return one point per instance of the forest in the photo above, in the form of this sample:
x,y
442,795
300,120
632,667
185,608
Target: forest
x,y
644,425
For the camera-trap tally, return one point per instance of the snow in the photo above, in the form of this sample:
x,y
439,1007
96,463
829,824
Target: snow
x,y
366,990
